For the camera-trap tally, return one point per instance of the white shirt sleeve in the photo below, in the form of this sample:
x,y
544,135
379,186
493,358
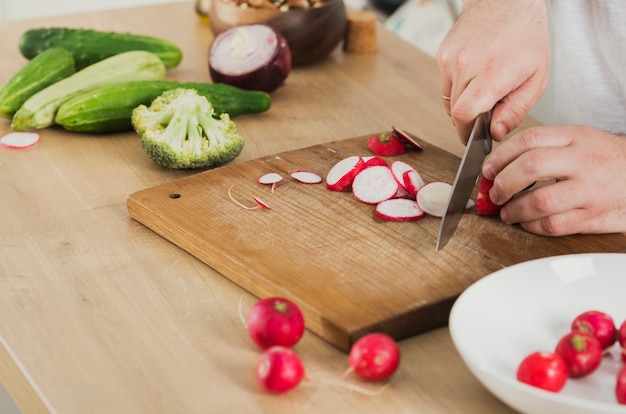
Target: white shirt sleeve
x,y
589,63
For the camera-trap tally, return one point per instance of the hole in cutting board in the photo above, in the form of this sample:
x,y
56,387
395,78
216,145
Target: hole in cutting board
x,y
174,196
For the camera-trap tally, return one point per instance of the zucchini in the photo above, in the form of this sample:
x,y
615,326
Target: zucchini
x,y
47,68
109,109
40,109
90,46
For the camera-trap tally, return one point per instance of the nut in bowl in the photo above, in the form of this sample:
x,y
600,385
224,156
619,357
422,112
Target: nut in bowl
x,y
312,28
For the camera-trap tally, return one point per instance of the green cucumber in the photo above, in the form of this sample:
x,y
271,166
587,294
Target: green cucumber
x,y
47,68
40,109
109,109
90,46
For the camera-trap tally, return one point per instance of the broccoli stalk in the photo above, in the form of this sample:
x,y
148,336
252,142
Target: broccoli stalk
x,y
179,131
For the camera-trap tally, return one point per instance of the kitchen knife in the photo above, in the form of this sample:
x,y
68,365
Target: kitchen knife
x,y
478,146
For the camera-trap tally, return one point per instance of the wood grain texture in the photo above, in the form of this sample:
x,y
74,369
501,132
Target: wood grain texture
x,y
351,272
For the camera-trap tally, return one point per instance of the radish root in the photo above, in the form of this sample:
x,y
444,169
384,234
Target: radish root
x,y
240,309
259,203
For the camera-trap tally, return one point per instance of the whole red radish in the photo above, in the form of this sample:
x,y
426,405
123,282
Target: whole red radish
x,y
275,321
279,369
599,324
545,370
581,352
484,205
374,357
620,386
622,340
386,144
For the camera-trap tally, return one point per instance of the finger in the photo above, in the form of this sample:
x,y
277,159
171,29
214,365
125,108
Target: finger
x,y
565,223
513,108
523,142
537,165
474,98
542,202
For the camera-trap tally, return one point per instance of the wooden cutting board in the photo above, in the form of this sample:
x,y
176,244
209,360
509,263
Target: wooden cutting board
x,y
350,272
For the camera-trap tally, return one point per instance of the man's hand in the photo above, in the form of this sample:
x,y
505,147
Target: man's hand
x,y
497,51
586,169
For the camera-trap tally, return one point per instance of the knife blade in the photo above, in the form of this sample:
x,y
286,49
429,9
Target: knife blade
x,y
477,148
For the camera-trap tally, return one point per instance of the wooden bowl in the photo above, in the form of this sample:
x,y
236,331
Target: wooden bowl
x,y
312,34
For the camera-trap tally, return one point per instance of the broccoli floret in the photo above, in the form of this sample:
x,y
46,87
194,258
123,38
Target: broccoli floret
x,y
178,131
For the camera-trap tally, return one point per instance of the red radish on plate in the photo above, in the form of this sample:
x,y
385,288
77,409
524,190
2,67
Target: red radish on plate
x,y
484,205
279,369
399,209
386,144
254,57
375,184
433,198
598,324
306,177
581,352
275,321
19,140
374,357
341,175
545,370
620,386
621,338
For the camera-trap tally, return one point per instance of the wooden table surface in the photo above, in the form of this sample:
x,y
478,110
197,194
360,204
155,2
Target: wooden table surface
x,y
98,314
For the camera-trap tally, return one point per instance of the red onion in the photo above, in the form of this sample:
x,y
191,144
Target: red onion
x,y
254,57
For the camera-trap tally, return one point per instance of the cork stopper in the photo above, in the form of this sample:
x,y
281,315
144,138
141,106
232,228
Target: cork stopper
x,y
361,32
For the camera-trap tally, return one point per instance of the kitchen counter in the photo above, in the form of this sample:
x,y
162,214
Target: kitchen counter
x,y
98,314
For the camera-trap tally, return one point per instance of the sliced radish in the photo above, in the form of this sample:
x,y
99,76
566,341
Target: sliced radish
x,y
399,209
413,181
375,184
306,177
374,160
342,174
20,140
399,168
261,203
402,193
433,198
406,138
270,178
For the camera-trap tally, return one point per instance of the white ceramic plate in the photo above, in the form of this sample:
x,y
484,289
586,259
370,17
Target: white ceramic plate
x,y
528,307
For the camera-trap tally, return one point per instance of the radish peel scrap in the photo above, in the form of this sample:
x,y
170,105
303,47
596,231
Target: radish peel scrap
x,y
259,203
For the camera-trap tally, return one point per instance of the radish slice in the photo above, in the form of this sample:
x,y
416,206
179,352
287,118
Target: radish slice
x,y
261,203
342,174
254,57
20,140
270,178
375,184
406,138
413,181
399,209
306,177
433,198
398,168
374,160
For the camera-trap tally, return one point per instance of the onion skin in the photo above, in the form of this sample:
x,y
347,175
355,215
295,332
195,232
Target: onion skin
x,y
267,77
